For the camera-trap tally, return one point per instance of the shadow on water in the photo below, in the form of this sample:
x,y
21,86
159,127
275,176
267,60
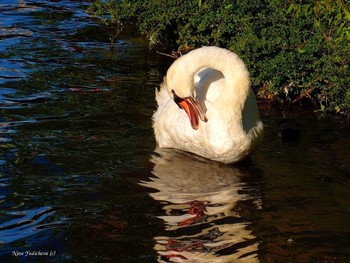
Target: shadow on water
x,y
80,180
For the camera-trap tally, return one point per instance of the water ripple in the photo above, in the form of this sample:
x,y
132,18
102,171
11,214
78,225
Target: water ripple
x,y
9,99
19,225
198,198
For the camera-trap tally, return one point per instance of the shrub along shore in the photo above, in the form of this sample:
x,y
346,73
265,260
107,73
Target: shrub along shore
x,y
297,51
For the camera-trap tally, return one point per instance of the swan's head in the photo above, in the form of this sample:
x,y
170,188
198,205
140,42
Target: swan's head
x,y
180,86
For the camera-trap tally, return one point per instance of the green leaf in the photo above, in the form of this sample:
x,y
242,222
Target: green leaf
x,y
290,8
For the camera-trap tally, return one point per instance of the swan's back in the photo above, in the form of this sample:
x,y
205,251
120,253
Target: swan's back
x,y
204,79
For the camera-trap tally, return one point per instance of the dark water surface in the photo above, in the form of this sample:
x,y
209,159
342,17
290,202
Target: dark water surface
x,y
80,180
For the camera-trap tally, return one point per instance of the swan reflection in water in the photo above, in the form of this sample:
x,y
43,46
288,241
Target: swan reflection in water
x,y
199,198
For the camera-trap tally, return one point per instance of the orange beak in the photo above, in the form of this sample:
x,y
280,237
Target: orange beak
x,y
194,111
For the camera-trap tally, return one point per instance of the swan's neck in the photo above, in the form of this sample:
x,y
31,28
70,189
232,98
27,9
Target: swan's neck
x,y
236,75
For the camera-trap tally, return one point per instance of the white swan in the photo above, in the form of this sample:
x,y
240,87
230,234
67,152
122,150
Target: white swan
x,y
206,106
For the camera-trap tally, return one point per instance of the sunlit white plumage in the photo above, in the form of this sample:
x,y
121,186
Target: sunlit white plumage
x,y
206,106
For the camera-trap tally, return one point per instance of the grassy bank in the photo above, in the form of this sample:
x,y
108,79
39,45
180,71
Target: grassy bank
x,y
296,52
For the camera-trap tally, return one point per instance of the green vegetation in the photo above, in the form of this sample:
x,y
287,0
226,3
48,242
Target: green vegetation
x,y
296,51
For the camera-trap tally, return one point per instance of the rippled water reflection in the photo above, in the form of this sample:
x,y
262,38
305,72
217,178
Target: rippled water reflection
x,y
80,178
199,198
